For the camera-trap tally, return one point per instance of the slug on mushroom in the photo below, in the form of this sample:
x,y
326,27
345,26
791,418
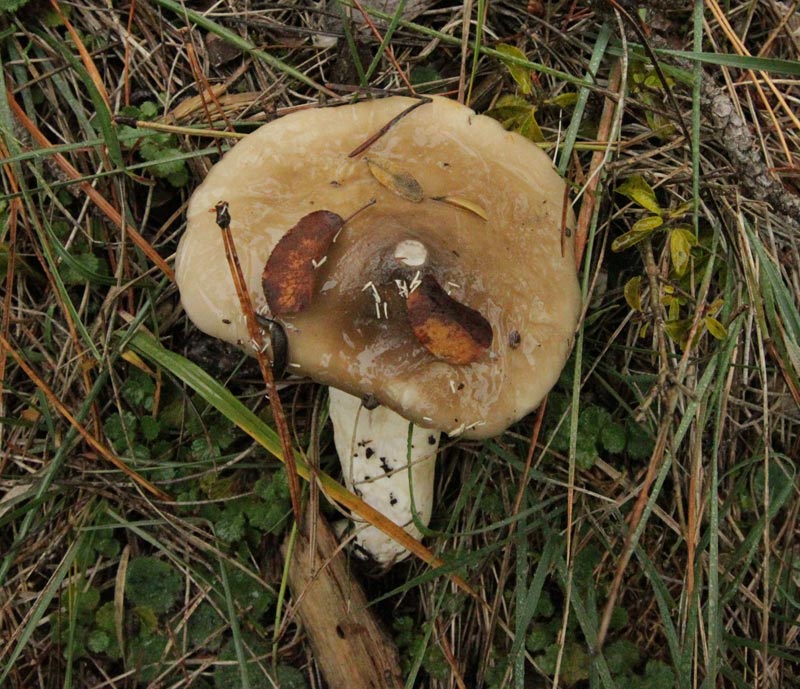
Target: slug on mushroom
x,y
451,301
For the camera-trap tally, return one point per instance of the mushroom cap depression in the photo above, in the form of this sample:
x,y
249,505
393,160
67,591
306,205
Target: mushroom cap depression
x,y
514,267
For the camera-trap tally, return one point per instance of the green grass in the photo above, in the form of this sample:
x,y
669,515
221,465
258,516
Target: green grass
x,y
652,540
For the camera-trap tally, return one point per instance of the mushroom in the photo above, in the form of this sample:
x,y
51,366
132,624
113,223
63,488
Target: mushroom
x,y
451,302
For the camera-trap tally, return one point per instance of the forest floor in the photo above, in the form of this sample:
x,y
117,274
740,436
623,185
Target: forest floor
x,y
639,530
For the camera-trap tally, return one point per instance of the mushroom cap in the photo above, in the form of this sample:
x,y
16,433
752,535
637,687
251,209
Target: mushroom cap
x,y
515,268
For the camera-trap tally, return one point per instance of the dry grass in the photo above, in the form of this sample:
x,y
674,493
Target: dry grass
x,y
684,552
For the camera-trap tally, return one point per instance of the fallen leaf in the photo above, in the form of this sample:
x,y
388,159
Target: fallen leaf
x,y
520,74
681,241
632,294
717,330
448,329
395,178
464,204
289,275
637,189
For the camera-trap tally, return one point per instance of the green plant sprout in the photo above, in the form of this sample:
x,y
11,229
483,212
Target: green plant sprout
x,y
517,111
682,242
161,149
598,433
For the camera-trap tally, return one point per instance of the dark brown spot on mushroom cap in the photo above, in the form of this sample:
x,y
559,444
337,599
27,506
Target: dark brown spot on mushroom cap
x,y
514,339
448,329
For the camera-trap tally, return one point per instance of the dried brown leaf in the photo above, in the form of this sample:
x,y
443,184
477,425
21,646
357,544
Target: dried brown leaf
x,y
395,178
290,273
448,329
464,204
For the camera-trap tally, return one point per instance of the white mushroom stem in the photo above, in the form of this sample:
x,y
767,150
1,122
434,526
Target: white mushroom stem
x,y
379,466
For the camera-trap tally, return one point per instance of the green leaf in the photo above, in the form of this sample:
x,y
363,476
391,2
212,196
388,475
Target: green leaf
x,y
230,526
619,618
85,604
629,239
78,269
98,641
139,389
150,427
509,106
540,637
179,179
144,653
148,110
639,191
592,421
105,621
250,594
586,453
678,330
575,662
717,330
120,427
648,223
166,161
633,294
563,100
521,75
545,607
265,518
529,127
426,79
612,437
680,210
204,626
622,656
104,617
11,5
639,443
681,241
270,511
653,81
288,677
152,583
658,675
781,482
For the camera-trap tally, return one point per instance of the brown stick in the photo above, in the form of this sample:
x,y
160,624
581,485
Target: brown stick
x,y
385,128
253,329
351,648
589,199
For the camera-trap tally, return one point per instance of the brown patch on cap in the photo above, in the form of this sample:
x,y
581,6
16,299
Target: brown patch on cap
x,y
289,275
448,329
